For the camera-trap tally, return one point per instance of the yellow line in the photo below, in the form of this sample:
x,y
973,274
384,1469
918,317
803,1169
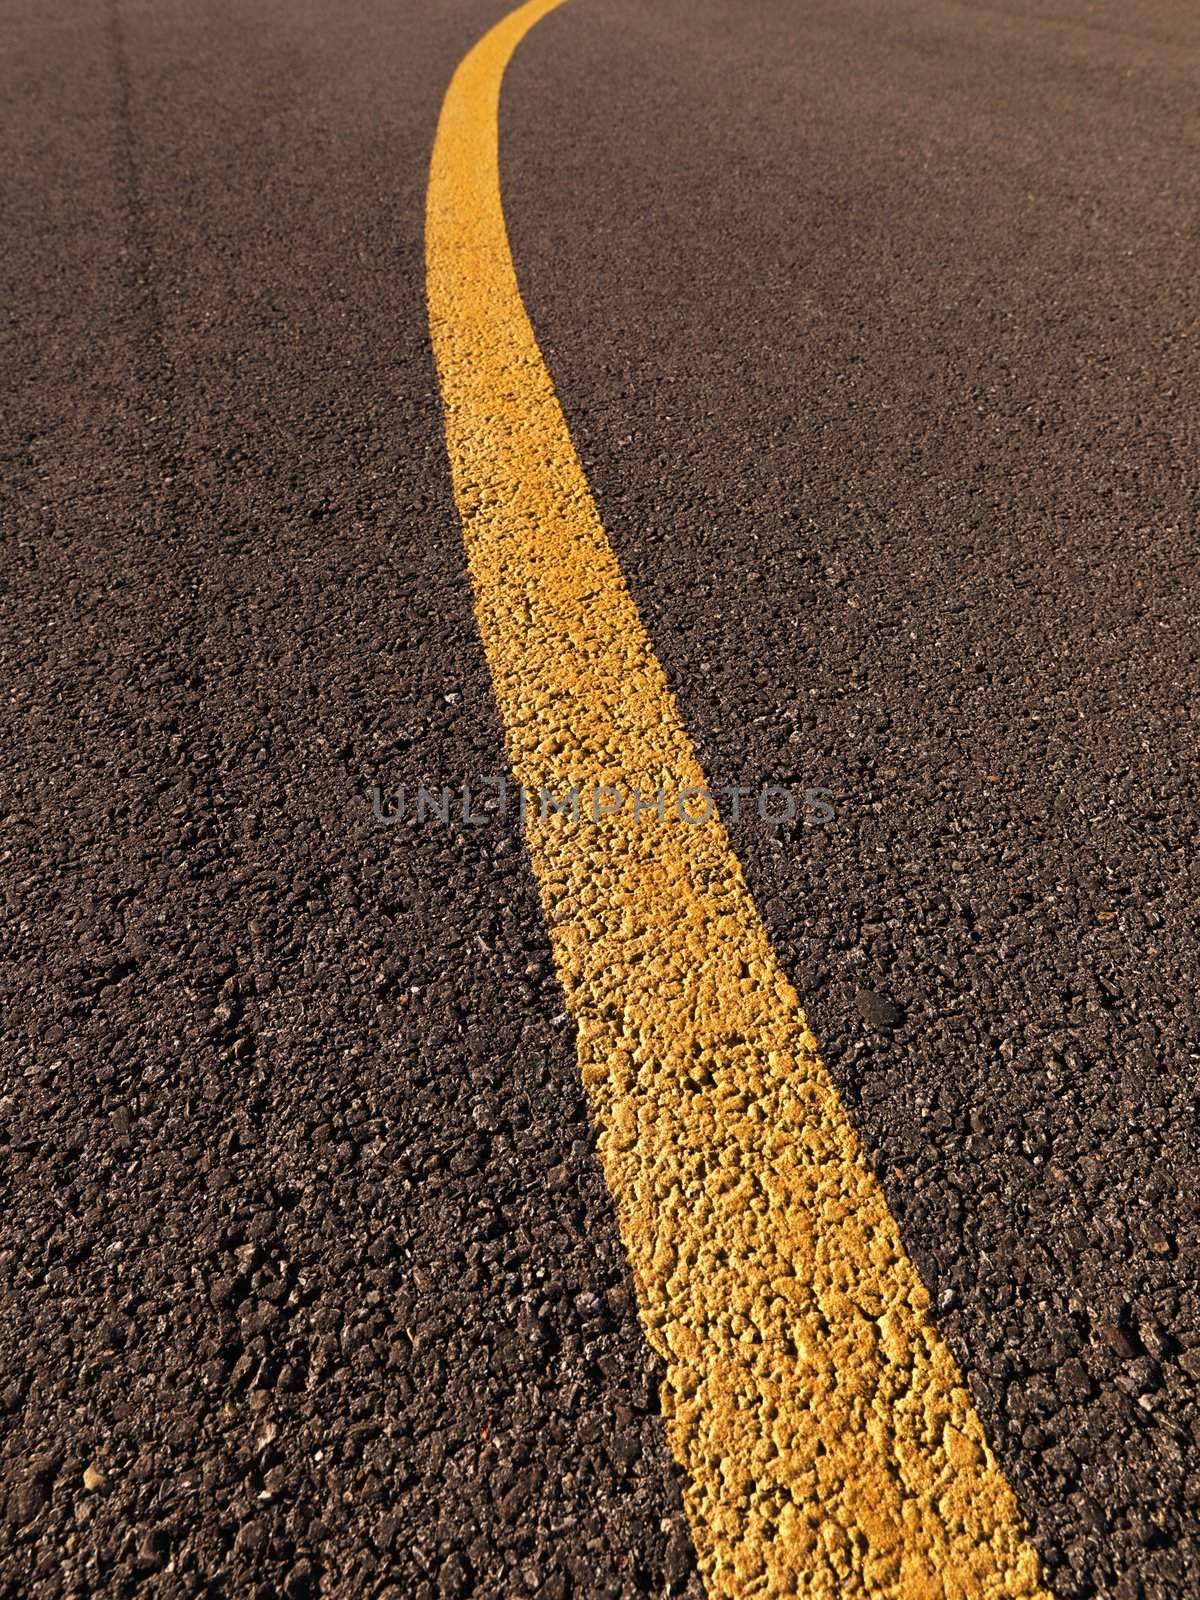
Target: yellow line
x,y
828,1444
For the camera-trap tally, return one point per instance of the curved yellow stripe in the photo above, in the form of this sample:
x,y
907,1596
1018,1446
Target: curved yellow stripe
x,y
829,1446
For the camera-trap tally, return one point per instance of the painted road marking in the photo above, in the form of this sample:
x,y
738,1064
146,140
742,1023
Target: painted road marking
x,y
828,1443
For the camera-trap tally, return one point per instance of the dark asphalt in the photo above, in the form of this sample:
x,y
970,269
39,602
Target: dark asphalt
x,y
876,327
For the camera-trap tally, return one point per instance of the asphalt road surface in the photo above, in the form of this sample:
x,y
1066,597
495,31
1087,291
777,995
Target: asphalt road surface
x,y
331,1192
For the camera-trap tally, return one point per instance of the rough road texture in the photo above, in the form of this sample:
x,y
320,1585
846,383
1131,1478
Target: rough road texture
x,y
310,1279
829,1444
876,328
878,340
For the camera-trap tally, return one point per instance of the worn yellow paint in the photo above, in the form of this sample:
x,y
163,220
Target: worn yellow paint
x,y
828,1444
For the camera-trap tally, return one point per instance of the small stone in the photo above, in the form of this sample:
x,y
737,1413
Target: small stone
x,y
1156,1341
113,1333
877,1011
610,1367
454,1579
300,1582
154,1549
223,1292
1117,1339
26,1500
381,1250
1074,1381
1189,1362
251,1539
